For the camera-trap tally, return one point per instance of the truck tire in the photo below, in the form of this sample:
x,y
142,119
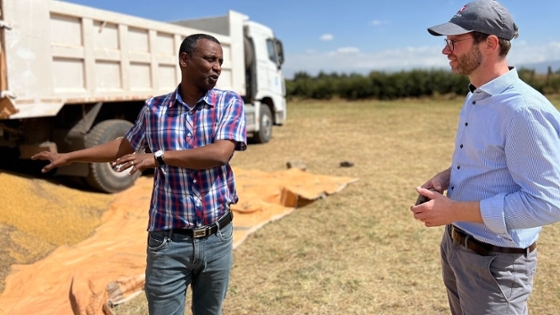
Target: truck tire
x,y
265,121
102,176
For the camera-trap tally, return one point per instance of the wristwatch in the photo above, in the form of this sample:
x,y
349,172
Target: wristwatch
x,y
158,155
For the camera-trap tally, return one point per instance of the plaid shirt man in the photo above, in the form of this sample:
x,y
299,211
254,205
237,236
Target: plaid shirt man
x,y
187,198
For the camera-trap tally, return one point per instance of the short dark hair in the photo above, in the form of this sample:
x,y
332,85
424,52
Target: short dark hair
x,y
189,43
505,45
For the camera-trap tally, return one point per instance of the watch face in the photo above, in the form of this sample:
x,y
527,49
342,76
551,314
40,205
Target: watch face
x,y
159,157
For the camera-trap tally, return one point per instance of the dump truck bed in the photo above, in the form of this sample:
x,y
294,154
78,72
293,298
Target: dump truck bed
x,y
56,53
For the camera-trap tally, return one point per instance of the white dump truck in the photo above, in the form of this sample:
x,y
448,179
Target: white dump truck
x,y
73,76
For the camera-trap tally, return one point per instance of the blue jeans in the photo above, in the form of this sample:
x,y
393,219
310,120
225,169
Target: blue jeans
x,y
176,261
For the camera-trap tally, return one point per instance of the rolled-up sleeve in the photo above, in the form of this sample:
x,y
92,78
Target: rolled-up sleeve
x,y
532,153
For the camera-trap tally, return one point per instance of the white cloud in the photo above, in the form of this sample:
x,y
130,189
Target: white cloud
x,y
522,53
379,23
352,60
327,37
348,50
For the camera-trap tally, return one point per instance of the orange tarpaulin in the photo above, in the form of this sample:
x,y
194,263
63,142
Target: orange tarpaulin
x,y
108,268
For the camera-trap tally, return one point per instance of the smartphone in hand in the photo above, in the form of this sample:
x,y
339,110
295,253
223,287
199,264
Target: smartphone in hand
x,y
421,199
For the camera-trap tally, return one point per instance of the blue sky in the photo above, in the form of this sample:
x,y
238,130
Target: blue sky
x,y
361,35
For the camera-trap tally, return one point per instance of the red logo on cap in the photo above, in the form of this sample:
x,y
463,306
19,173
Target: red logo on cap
x,y
462,9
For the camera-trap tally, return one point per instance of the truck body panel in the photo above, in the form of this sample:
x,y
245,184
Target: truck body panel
x,y
65,68
71,54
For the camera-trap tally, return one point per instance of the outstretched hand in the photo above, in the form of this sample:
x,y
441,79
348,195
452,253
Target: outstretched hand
x,y
55,159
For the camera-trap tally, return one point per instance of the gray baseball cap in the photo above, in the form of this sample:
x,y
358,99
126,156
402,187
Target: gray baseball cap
x,y
484,16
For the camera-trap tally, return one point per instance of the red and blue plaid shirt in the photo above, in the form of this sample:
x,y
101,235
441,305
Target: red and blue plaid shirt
x,y
181,197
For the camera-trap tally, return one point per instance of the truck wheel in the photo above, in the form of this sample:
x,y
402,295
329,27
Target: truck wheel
x,y
265,131
102,176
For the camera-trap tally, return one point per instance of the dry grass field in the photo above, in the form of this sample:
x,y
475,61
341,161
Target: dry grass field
x,y
359,251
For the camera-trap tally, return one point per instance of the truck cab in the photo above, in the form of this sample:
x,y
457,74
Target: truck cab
x,y
263,87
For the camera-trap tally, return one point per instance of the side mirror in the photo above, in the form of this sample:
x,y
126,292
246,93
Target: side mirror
x,y
280,51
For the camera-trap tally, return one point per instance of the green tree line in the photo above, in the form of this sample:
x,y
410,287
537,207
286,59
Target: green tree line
x,y
404,84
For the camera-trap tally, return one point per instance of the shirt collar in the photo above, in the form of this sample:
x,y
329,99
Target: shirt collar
x,y
206,98
501,83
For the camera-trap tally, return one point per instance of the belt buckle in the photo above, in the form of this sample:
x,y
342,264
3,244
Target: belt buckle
x,y
198,233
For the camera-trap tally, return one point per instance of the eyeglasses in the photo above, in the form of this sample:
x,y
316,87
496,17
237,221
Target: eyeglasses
x,y
451,43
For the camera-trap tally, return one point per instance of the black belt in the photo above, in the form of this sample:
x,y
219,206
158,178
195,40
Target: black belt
x,y
206,230
482,248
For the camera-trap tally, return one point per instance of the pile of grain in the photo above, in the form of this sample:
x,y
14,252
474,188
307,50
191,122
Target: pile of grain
x,y
38,216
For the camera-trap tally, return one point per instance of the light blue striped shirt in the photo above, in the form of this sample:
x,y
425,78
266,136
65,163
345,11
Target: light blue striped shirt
x,y
507,156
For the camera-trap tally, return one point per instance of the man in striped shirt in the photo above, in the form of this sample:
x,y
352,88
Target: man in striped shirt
x,y
192,133
504,181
